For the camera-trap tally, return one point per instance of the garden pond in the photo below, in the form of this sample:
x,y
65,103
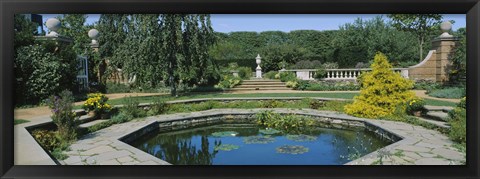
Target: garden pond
x,y
250,144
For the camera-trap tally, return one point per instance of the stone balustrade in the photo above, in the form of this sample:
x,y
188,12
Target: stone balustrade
x,y
339,74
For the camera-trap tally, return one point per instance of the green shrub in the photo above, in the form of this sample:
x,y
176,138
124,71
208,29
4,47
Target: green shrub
x,y
117,88
63,115
270,75
382,91
97,102
271,104
458,123
288,123
42,70
158,107
244,72
314,103
205,89
320,73
292,84
329,86
204,106
121,117
288,76
463,103
452,92
131,108
99,126
229,81
47,139
58,154
317,87
416,105
426,85
302,85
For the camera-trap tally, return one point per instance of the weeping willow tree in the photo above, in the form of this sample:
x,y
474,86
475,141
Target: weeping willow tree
x,y
170,48
186,40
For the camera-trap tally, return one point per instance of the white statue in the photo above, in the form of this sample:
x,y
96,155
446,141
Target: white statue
x,y
259,69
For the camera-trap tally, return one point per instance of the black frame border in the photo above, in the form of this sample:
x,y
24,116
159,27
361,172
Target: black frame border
x,y
10,7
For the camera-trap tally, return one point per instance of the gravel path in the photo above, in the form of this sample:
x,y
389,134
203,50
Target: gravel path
x,y
32,113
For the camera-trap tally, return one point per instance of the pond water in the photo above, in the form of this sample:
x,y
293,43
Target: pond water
x,y
249,144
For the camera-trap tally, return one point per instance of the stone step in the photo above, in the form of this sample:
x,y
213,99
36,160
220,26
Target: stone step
x,y
437,115
85,118
438,108
435,122
79,112
253,89
262,80
259,86
262,83
92,123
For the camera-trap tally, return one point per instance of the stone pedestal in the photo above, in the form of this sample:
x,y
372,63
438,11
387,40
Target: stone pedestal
x,y
444,47
258,72
258,60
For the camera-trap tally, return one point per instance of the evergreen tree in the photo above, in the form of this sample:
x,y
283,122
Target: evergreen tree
x,y
382,92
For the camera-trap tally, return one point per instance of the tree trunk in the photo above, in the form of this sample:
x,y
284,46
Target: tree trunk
x,y
421,49
173,90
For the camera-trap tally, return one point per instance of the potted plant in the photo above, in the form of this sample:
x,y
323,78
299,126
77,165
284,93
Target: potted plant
x,y
416,107
97,106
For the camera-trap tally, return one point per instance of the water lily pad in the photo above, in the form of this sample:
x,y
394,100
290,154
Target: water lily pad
x,y
269,131
301,138
258,140
292,149
225,134
226,147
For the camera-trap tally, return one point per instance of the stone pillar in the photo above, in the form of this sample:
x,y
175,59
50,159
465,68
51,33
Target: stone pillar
x,y
444,46
102,66
258,69
437,65
53,26
93,34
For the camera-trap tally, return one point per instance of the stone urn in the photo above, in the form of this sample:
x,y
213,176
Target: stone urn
x,y
258,72
417,113
92,113
105,116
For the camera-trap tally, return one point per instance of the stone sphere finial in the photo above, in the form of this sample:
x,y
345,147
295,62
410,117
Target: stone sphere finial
x,y
53,26
93,34
446,26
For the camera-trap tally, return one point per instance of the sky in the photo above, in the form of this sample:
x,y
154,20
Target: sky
x,y
284,22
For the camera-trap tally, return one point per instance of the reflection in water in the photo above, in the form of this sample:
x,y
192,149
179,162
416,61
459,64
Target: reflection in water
x,y
196,146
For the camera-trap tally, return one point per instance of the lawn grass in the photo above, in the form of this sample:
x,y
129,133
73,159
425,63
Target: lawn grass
x,y
346,95
433,102
20,121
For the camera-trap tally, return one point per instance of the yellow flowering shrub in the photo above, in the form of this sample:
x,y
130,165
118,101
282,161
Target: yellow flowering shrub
x,y
382,91
97,102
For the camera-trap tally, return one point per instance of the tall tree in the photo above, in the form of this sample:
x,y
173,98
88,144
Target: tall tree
x,y
172,47
113,28
422,25
73,26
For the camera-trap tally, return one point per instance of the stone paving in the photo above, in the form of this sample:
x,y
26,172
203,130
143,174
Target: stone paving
x,y
418,146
